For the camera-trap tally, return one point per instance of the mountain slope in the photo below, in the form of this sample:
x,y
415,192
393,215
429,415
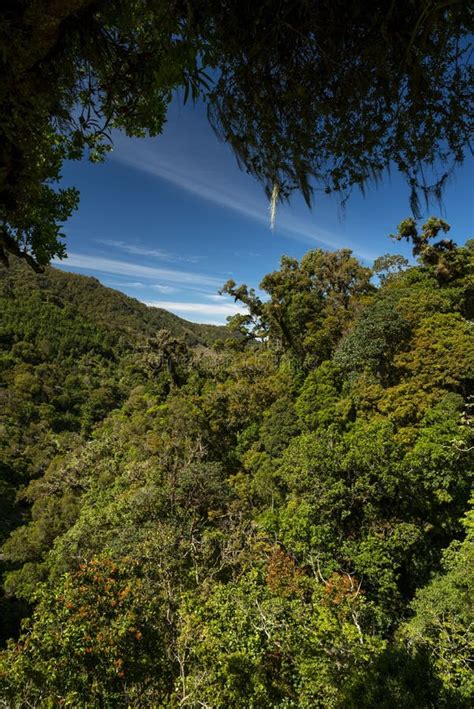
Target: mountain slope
x,y
100,306
71,350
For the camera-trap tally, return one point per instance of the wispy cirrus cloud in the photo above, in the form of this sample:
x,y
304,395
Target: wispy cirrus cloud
x,y
98,264
201,172
138,250
139,284
196,182
215,296
120,284
163,289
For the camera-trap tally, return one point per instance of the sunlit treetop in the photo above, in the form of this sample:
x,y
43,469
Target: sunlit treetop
x,y
309,95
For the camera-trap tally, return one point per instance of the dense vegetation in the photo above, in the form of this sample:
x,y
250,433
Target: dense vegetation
x,y
321,96
71,351
278,517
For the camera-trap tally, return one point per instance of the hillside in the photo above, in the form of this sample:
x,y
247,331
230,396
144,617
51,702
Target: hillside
x,y
284,525
100,306
70,350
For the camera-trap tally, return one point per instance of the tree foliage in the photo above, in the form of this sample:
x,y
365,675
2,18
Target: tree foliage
x,y
322,96
273,520
442,621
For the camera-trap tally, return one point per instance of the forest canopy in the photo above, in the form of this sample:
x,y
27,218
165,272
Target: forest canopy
x,y
309,95
273,514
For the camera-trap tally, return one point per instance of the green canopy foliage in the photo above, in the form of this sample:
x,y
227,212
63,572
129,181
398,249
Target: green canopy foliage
x,y
274,520
442,621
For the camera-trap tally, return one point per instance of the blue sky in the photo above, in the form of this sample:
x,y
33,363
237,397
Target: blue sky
x,y
168,220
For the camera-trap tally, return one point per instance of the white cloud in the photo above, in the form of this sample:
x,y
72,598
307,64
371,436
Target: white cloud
x,y
207,179
223,309
137,250
205,313
195,183
123,268
164,289
123,284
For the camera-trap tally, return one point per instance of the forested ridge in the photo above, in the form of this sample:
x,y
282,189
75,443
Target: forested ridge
x,y
71,352
274,514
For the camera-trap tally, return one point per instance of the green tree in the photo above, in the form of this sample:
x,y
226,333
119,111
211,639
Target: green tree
x,y
274,637
92,640
446,261
442,621
386,266
310,303
320,402
378,335
168,353
276,90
